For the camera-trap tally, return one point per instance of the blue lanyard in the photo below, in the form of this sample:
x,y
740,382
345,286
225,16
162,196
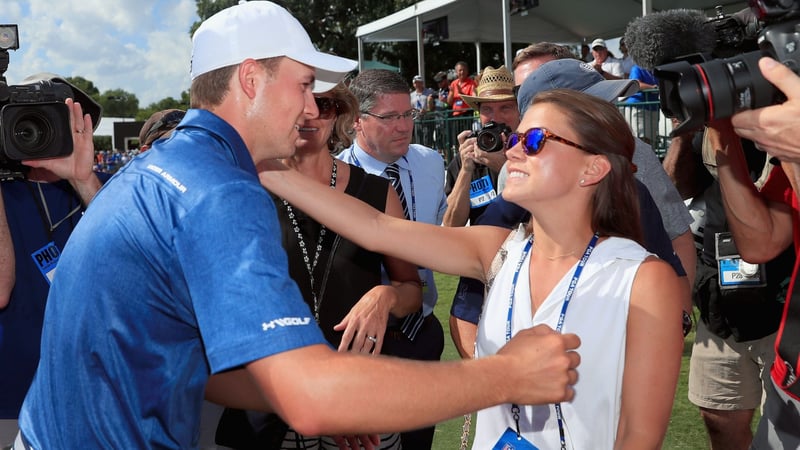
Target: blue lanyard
x,y
410,180
567,297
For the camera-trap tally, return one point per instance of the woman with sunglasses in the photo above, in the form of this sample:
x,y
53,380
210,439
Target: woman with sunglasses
x,y
577,267
340,281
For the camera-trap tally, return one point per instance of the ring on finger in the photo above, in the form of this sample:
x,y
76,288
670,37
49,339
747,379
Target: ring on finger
x,y
374,339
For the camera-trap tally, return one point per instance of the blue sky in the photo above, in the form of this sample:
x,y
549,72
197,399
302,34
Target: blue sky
x,y
141,46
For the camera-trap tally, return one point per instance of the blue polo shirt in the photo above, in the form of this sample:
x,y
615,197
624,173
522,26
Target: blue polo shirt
x,y
176,271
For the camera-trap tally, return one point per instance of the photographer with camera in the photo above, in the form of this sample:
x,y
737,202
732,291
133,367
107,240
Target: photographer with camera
x,y
471,181
41,208
739,303
762,98
763,223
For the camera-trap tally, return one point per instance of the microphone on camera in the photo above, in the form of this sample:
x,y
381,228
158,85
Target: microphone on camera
x,y
663,36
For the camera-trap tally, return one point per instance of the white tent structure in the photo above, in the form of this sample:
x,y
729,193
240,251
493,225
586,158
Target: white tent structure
x,y
491,21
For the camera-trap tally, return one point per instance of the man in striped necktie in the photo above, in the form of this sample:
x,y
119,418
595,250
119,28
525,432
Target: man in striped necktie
x,y
383,147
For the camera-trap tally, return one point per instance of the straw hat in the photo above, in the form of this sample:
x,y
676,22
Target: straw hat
x,y
495,85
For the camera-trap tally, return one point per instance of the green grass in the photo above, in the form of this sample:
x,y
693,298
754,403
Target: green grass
x,y
686,431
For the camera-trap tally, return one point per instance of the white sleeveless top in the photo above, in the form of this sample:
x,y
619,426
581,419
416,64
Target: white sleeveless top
x,y
597,313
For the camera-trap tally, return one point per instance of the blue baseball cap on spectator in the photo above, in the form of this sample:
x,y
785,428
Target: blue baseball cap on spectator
x,y
572,74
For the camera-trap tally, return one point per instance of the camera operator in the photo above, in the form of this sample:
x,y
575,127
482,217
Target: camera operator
x,y
763,224
733,346
39,213
471,181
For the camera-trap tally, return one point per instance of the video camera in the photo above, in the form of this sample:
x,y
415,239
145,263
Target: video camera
x,y
34,120
490,137
699,88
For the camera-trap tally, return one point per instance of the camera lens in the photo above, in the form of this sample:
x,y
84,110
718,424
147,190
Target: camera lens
x,y
35,130
715,89
490,137
735,84
489,141
31,133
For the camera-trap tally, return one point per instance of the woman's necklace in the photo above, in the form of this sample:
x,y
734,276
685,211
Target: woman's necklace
x,y
311,264
555,257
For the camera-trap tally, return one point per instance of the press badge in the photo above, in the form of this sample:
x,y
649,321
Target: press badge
x,y
46,259
481,192
734,272
510,441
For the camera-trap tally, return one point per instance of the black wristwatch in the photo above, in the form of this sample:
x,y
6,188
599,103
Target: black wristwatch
x,y
687,323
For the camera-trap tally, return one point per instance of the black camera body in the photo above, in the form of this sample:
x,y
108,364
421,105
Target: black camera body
x,y
490,137
34,120
700,88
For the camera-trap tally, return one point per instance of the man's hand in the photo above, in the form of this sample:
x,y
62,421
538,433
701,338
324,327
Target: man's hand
x,y
77,167
467,149
543,367
775,128
492,160
366,442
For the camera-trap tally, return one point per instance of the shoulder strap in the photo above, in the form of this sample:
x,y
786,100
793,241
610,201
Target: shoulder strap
x,y
370,188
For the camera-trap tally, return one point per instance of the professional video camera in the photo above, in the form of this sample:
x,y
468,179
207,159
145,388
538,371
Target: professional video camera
x,y
699,88
34,120
490,137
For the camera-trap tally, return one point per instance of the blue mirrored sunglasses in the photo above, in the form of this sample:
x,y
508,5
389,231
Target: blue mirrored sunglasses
x,y
533,140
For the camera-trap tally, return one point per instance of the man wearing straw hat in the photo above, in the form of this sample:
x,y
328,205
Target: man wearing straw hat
x,y
472,177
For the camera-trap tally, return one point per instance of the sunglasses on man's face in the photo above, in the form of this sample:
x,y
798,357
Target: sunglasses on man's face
x,y
533,140
328,107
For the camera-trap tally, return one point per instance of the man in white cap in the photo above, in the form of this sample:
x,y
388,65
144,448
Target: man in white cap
x,y
422,101
201,302
421,97
604,63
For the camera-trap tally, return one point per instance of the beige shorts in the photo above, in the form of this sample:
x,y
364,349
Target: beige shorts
x,y
729,375
8,433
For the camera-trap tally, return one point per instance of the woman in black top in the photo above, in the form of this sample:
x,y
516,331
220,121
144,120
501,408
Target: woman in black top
x,y
340,281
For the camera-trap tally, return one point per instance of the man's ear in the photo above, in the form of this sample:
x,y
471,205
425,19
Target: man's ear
x,y
357,124
248,73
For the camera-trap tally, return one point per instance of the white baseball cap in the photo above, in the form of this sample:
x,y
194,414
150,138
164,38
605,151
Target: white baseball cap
x,y
261,29
598,43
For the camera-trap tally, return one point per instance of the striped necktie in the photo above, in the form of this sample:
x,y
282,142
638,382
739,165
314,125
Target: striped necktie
x,y
393,173
413,321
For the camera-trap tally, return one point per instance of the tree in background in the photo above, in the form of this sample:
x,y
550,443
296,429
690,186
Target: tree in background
x,y
119,103
332,27
166,103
